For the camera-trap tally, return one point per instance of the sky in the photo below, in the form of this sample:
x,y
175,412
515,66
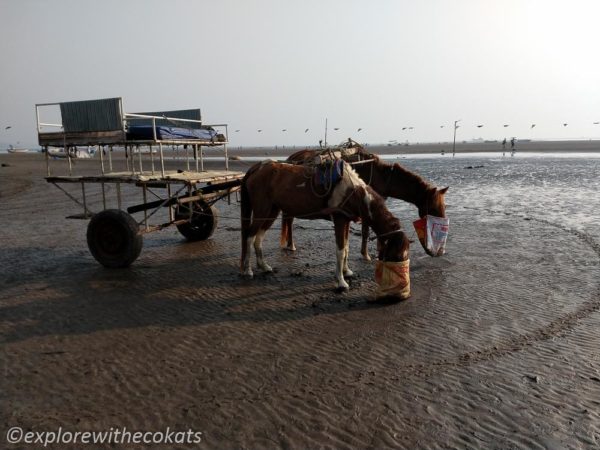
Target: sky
x,y
272,65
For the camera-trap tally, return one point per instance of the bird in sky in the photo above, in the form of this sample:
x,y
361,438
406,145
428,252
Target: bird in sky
x,y
358,131
410,128
335,129
8,127
533,125
479,126
404,128
285,129
565,124
596,123
259,131
237,131
306,130
505,125
441,126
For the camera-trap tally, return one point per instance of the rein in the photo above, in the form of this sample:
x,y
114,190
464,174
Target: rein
x,y
389,233
372,161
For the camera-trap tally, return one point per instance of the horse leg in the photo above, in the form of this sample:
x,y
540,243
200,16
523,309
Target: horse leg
x,y
290,242
347,272
287,236
246,249
284,232
252,236
260,234
364,249
340,251
248,232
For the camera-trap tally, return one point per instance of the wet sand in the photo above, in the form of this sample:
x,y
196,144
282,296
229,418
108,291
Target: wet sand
x,y
496,349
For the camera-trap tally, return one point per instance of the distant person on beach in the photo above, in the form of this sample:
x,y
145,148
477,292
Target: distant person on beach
x,y
503,146
512,146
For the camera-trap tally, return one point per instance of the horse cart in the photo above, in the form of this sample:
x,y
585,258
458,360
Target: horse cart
x,y
133,152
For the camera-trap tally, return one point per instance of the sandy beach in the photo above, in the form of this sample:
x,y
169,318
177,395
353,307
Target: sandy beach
x,y
496,349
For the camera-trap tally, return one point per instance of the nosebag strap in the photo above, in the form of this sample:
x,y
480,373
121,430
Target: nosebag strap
x,y
393,279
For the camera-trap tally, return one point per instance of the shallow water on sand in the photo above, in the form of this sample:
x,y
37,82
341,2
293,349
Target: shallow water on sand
x,y
557,188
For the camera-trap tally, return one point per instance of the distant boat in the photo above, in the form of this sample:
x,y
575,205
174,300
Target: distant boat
x,y
73,152
12,149
136,151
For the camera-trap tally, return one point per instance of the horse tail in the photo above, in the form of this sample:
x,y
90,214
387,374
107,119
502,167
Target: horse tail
x,y
246,218
246,210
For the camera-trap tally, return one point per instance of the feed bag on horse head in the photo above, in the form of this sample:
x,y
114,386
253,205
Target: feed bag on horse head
x,y
393,279
432,233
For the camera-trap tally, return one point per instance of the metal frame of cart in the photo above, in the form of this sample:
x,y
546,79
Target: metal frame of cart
x,y
114,236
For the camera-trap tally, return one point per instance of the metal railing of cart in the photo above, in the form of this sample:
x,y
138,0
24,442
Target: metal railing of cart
x,y
190,194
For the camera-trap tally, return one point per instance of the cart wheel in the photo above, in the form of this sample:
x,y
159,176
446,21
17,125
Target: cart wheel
x,y
203,223
113,238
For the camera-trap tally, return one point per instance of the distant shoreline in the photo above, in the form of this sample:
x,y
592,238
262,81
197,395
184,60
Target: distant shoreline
x,y
575,146
436,148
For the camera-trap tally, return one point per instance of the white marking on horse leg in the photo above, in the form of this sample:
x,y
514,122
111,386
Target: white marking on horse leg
x,y
291,246
247,270
347,272
339,265
260,262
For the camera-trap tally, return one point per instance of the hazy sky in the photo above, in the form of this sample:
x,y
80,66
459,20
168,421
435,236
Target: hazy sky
x,y
275,64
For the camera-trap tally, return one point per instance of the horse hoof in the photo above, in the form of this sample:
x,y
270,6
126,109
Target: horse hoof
x,y
348,274
366,257
289,249
342,287
248,275
267,269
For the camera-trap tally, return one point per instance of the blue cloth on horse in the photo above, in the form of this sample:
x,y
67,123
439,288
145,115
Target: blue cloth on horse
x,y
329,173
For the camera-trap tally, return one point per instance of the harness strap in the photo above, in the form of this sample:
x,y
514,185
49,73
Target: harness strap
x,y
329,211
387,234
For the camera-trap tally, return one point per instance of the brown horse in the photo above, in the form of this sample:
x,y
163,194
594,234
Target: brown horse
x,y
388,180
271,187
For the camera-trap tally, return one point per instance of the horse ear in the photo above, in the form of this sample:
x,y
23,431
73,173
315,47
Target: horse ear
x,y
443,190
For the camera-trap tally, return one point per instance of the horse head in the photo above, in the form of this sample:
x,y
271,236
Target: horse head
x,y
394,247
434,204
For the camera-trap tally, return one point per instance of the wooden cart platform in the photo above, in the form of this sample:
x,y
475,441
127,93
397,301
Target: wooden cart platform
x,y
114,236
170,176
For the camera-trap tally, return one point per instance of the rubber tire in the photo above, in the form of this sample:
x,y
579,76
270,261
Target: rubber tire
x,y
202,226
113,238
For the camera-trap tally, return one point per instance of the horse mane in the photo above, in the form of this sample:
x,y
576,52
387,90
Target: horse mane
x,y
381,218
400,182
300,155
414,178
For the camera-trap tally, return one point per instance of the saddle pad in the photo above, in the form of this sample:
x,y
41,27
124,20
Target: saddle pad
x,y
329,173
